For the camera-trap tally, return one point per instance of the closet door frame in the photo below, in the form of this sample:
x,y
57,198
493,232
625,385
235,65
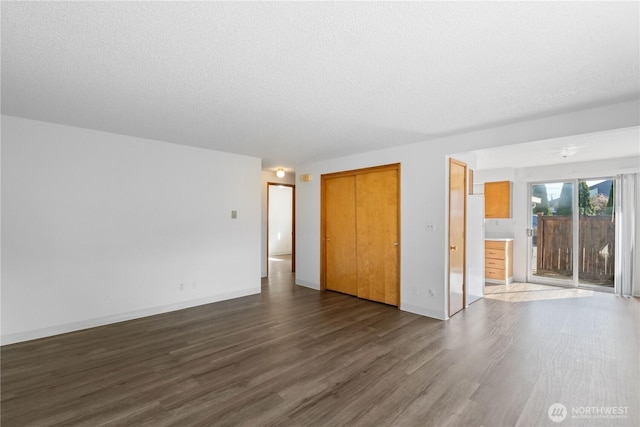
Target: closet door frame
x,y
323,228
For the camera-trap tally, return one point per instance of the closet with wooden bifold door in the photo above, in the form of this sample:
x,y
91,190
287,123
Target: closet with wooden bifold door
x,y
360,233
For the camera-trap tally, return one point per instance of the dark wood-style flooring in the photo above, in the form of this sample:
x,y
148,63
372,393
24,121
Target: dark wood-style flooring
x,y
293,356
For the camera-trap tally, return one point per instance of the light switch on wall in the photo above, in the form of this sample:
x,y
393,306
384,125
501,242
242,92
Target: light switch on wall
x,y
234,214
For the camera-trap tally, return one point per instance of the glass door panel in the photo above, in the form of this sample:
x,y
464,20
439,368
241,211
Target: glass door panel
x,y
596,231
552,231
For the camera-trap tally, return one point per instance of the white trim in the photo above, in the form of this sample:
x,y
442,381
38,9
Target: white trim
x,y
306,284
440,315
499,282
107,320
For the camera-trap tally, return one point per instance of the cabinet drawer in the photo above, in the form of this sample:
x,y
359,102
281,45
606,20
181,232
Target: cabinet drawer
x,y
494,273
494,254
494,244
494,263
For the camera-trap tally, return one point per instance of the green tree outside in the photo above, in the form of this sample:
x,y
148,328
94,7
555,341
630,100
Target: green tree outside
x,y
565,202
584,200
540,191
609,210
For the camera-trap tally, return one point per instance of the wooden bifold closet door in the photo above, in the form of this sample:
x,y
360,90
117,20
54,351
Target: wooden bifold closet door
x,y
360,233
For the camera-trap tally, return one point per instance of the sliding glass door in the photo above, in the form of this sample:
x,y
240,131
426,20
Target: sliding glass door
x,y
572,232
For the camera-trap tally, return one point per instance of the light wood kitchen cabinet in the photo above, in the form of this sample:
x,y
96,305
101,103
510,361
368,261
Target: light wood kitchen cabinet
x,y
497,199
498,261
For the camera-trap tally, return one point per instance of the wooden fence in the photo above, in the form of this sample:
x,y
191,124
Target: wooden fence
x,y
596,247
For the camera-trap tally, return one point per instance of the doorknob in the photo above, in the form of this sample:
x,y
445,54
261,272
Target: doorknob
x,y
453,248
395,243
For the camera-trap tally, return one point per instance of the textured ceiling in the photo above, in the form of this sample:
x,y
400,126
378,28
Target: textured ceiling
x,y
298,81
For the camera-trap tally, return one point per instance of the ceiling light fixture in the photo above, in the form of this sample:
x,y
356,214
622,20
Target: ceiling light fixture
x,y
567,151
280,173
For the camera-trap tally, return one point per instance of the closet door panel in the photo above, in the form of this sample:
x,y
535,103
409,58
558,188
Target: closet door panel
x,y
377,236
340,235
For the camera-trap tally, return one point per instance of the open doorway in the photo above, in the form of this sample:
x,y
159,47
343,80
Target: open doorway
x,y
281,242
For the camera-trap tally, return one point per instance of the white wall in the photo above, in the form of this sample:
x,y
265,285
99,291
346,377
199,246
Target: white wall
x,y
98,227
424,185
422,196
268,176
280,220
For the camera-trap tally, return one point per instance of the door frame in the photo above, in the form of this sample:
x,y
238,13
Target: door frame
x,y
464,237
293,223
323,228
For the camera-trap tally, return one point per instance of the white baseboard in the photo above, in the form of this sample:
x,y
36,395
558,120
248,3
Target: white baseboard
x,y
404,307
499,282
424,311
306,284
17,337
